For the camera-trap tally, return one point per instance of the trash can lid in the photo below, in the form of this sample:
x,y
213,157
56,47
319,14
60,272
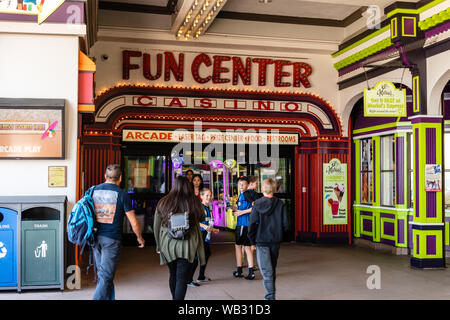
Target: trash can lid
x,y
32,199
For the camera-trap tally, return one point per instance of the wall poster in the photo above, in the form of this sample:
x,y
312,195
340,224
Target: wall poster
x,y
335,209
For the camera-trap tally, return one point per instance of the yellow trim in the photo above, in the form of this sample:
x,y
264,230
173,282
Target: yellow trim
x,y
354,45
416,108
415,11
394,23
383,126
86,107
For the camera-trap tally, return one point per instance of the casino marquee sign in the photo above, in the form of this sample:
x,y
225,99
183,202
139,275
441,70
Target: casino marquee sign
x,y
230,105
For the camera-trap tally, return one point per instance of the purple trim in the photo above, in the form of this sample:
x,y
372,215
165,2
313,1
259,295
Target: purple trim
x,y
431,245
417,152
426,120
431,158
380,130
374,157
400,172
409,26
366,213
431,205
399,46
367,237
431,145
387,215
18,17
417,243
447,248
439,29
400,231
387,241
389,228
59,16
367,225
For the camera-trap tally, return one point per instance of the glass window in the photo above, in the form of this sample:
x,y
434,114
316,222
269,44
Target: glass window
x,y
447,169
366,171
280,171
387,171
145,174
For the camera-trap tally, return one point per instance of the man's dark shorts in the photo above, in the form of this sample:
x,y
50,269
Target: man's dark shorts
x,y
242,236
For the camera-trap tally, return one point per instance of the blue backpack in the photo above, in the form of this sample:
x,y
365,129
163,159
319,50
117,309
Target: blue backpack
x,y
81,224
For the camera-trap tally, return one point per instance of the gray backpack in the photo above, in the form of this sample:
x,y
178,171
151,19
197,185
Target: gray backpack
x,y
178,226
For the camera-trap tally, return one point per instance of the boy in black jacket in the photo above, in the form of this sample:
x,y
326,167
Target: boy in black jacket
x,y
268,221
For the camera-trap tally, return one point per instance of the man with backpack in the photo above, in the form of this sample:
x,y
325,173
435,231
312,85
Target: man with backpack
x,y
268,221
111,203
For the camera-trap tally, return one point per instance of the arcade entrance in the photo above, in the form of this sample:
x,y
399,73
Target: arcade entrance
x,y
149,169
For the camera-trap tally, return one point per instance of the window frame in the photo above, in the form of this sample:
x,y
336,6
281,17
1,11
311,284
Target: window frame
x,y
390,138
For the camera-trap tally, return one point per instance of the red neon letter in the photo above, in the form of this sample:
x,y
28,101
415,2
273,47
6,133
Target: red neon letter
x,y
201,58
126,65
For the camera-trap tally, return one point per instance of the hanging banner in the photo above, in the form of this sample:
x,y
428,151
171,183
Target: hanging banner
x,y
335,207
42,8
385,100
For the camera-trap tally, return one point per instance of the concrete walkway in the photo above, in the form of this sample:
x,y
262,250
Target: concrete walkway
x,y
305,271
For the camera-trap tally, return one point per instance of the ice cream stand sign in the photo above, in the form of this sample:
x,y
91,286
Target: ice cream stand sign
x,y
335,208
385,100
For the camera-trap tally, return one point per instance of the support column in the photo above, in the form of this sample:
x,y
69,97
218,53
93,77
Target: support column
x,y
428,219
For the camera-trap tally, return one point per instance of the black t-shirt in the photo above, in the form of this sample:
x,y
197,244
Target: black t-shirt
x,y
110,204
251,195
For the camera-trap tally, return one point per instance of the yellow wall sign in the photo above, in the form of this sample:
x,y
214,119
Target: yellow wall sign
x,y
57,176
385,100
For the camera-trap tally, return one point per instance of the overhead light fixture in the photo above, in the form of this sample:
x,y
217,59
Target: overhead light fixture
x,y
199,18
265,1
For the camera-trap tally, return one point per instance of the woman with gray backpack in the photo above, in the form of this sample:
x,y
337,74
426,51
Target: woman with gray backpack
x,y
177,234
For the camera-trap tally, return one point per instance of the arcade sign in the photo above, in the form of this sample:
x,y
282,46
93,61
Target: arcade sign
x,y
31,132
216,69
207,137
385,100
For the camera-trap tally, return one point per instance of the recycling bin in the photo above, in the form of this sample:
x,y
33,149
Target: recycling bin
x,y
40,241
8,248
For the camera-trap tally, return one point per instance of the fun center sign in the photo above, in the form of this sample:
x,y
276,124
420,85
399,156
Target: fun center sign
x,y
215,69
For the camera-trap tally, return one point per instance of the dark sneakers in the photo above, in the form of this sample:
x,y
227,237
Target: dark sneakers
x,y
193,284
238,273
251,274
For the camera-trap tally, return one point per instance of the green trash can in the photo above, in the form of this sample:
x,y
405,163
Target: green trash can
x,y
40,253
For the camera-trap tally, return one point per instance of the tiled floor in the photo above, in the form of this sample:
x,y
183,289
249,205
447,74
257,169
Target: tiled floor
x,y
305,271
